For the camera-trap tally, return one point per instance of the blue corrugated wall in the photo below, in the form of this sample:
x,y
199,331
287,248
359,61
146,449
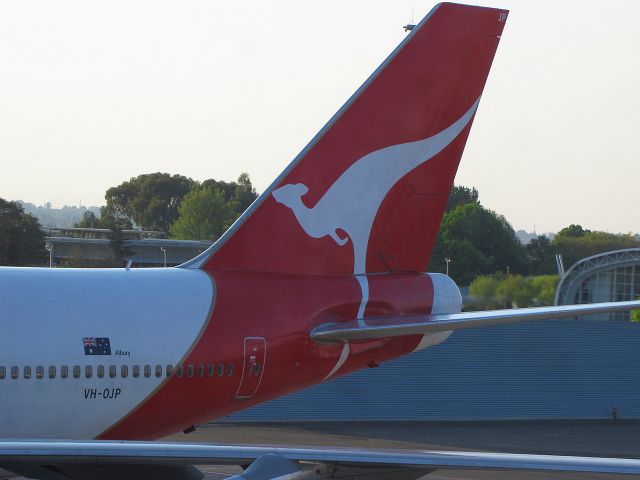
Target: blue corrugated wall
x,y
552,369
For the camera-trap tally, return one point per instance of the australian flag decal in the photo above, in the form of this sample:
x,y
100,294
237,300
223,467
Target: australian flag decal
x,y
96,345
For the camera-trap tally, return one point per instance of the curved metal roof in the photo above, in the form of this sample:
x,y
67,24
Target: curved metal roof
x,y
590,265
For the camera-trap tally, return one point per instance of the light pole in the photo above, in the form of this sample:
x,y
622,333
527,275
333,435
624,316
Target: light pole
x,y
447,260
507,289
164,253
49,247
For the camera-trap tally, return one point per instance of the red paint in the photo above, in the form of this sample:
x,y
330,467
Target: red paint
x,y
276,282
282,309
430,83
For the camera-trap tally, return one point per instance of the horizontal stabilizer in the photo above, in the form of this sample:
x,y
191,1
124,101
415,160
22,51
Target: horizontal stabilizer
x,y
385,327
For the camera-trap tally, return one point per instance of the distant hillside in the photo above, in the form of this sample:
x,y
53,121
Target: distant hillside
x,y
57,217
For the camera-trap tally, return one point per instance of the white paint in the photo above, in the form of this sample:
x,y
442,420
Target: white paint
x,y
446,299
432,339
446,294
155,314
364,296
343,358
352,202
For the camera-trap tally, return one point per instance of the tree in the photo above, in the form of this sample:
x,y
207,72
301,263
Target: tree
x,y
544,287
88,220
541,255
514,291
151,200
241,192
204,214
461,195
576,247
510,291
108,219
573,230
485,290
467,261
21,238
635,316
244,193
478,241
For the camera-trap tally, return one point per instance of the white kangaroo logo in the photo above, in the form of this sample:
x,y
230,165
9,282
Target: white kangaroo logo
x,y
352,202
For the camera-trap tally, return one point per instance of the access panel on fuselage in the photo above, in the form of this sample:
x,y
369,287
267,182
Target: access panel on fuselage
x,y
255,350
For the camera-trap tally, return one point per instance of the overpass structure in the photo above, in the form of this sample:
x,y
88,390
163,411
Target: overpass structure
x,y
103,247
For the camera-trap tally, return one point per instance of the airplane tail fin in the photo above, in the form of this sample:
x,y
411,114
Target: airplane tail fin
x,y
367,194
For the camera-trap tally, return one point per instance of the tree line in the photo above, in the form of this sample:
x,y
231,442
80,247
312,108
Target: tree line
x,y
478,241
473,242
176,205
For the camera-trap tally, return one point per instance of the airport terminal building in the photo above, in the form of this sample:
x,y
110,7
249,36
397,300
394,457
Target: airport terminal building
x,y
581,368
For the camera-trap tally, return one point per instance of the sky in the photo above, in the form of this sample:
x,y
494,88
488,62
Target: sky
x,y
93,93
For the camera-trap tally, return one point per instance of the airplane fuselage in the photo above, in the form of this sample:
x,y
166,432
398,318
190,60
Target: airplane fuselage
x,y
142,353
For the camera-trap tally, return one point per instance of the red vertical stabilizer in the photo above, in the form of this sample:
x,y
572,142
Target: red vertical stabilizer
x,y
368,193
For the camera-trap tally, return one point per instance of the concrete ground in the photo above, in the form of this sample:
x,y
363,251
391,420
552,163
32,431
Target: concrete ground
x,y
606,438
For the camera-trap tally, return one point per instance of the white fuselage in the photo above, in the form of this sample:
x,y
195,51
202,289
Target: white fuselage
x,y
151,318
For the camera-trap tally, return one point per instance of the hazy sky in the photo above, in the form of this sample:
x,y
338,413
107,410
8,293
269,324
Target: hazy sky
x,y
93,93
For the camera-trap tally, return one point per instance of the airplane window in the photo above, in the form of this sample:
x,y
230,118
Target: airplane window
x,y
190,371
179,371
52,371
100,371
230,369
201,370
27,372
158,371
88,371
212,369
64,371
124,371
76,371
169,370
112,371
135,371
3,373
147,371
220,369
39,371
15,372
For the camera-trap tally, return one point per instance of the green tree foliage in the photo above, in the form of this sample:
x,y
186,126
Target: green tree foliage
x,y
21,238
574,243
461,195
515,292
88,220
541,256
575,231
512,291
108,219
485,290
151,200
478,242
241,192
204,214
544,287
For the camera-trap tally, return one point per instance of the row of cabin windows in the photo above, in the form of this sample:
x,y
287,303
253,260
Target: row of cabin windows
x,y
147,371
